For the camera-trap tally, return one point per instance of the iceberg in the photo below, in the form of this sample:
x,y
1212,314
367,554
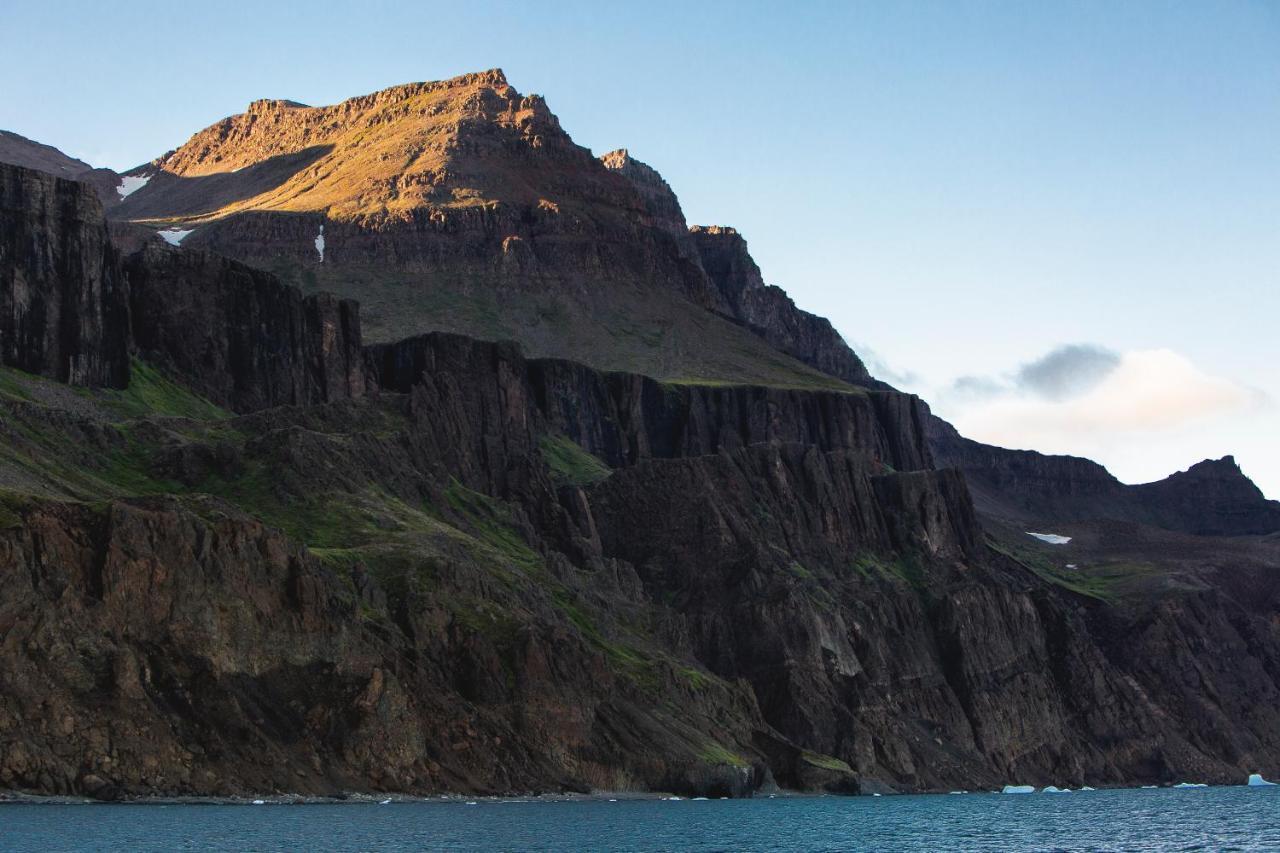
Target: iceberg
x,y
1054,789
1191,785
1256,781
1087,788
1018,789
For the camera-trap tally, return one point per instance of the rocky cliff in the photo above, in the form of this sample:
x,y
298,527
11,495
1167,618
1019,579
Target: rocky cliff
x,y
63,301
238,336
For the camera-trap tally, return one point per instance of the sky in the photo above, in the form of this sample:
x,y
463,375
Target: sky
x,y
1058,223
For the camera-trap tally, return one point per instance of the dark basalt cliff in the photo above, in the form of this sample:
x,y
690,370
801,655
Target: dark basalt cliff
x,y
437,565
238,336
63,303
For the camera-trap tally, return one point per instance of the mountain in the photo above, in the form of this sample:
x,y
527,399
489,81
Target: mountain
x,y
20,151
1212,498
246,546
463,206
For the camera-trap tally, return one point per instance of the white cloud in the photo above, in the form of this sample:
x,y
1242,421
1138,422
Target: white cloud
x,y
1149,413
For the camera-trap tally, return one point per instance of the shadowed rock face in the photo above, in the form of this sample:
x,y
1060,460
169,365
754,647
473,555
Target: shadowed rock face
x,y
63,301
238,336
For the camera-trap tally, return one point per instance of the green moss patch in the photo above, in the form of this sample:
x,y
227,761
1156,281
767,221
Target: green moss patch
x,y
570,464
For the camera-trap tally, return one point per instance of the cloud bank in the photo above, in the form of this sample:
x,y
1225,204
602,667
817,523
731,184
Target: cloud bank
x,y
1142,413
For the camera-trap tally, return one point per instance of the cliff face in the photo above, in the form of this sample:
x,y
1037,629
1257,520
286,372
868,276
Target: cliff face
x,y
238,336
63,300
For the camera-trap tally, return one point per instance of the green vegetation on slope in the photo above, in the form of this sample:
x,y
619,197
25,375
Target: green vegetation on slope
x,y
570,464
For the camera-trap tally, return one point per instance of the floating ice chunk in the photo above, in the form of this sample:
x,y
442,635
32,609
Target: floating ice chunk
x,y
1149,787
471,802
874,795
1087,788
1018,789
174,236
259,802
700,799
320,243
1051,538
385,802
130,184
1256,781
1191,785
957,792
1053,789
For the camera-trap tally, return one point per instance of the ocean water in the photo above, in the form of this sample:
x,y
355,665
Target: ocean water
x,y
1209,819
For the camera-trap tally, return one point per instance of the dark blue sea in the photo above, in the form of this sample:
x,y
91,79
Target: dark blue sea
x,y
1209,819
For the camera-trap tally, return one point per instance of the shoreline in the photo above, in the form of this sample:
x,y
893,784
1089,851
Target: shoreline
x,y
18,798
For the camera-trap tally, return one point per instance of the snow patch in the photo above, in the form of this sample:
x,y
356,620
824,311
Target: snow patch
x,y
1256,781
320,243
174,236
1018,789
1051,538
130,184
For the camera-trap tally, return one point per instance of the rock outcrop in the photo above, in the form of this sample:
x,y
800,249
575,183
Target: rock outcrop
x,y
63,300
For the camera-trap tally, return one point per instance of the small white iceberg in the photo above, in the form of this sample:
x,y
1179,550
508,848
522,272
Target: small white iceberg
x,y
385,802
700,799
674,799
1256,781
1087,788
259,802
957,792
1149,787
1191,785
174,236
130,184
1018,789
1051,538
1054,789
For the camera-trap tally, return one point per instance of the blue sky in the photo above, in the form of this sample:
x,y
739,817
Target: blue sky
x,y
963,188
